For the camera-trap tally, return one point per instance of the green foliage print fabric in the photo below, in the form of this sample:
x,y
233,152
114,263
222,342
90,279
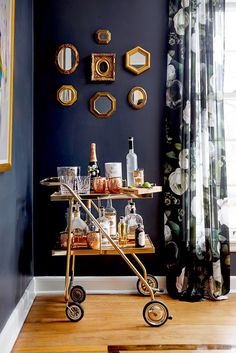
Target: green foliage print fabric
x,y
195,190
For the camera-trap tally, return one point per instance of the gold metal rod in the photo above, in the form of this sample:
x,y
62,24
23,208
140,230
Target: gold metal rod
x,y
141,265
71,201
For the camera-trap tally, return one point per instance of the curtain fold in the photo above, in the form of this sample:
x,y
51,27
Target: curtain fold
x,y
195,186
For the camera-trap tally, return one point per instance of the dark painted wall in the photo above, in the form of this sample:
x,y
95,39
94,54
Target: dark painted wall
x,y
63,134
16,184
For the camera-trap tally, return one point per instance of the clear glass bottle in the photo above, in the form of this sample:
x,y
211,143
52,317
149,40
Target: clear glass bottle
x,y
93,167
78,225
131,162
132,220
105,224
128,207
91,226
122,232
110,213
139,236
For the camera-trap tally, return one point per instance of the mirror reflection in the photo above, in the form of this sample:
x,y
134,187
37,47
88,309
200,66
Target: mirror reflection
x,y
102,104
137,97
137,60
67,95
102,66
67,58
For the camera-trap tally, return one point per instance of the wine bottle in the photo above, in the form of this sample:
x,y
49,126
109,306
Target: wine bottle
x,y
110,213
93,168
131,162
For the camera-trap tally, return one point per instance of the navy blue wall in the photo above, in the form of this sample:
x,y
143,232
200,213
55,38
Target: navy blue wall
x,y
16,184
63,134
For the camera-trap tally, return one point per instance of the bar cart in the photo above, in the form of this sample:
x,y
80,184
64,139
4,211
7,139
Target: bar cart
x,y
155,312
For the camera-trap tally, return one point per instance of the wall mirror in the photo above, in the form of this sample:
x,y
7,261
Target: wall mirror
x,y
103,104
137,97
67,58
103,36
103,67
137,60
67,95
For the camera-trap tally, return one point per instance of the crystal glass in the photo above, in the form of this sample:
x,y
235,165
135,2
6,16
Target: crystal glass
x,y
83,184
70,181
67,175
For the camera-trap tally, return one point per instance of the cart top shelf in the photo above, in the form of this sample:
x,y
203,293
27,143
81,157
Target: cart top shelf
x,y
126,193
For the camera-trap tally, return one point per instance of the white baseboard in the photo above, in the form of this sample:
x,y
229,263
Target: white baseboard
x,y
13,326
55,285
92,285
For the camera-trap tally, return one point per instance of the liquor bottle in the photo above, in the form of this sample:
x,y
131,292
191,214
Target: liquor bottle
x,y
132,220
110,213
128,207
131,162
122,232
139,236
91,226
105,224
93,168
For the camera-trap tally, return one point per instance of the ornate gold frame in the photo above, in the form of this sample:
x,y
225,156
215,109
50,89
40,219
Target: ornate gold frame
x,y
72,47
93,100
142,90
74,95
96,60
100,40
144,67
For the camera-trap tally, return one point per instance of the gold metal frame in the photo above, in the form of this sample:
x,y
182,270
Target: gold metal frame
x,y
141,105
72,47
74,95
93,100
132,68
100,32
96,60
6,163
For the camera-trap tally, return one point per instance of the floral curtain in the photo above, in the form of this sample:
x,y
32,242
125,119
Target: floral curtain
x,y
195,190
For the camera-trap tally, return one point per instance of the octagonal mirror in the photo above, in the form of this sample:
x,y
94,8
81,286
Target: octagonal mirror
x,y
137,60
102,104
67,58
67,95
137,97
103,36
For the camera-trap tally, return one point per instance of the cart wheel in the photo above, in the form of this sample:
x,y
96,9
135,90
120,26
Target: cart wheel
x,y
77,294
74,312
155,313
142,288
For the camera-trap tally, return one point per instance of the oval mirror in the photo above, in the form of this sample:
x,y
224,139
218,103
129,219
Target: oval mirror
x,y
137,97
67,58
137,60
102,66
67,95
102,104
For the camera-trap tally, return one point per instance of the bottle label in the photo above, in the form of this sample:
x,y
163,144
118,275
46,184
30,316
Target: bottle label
x,y
112,220
141,238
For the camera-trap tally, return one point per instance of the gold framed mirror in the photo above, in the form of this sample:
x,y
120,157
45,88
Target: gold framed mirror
x,y
103,36
137,60
103,67
67,58
137,97
102,104
67,95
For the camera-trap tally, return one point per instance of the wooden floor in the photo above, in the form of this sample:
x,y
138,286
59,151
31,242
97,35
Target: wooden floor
x,y
114,324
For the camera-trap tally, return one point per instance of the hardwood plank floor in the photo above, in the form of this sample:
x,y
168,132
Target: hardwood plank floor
x,y
116,320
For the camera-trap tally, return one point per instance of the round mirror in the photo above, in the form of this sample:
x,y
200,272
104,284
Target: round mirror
x,y
102,66
103,104
67,95
67,58
137,97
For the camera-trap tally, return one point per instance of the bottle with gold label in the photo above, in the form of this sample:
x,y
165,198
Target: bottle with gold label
x,y
110,213
93,167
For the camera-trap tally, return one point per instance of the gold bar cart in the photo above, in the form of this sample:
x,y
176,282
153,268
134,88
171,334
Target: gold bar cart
x,y
155,312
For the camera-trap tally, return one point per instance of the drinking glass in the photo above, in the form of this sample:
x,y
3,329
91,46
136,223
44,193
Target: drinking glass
x,y
67,175
83,184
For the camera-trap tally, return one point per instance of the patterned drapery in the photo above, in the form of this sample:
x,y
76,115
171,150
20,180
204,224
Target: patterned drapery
x,y
195,186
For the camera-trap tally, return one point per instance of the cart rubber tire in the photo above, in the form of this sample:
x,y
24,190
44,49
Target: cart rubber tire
x,y
74,312
78,294
155,313
141,287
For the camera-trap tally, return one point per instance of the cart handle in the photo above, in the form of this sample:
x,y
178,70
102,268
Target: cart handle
x,y
52,181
